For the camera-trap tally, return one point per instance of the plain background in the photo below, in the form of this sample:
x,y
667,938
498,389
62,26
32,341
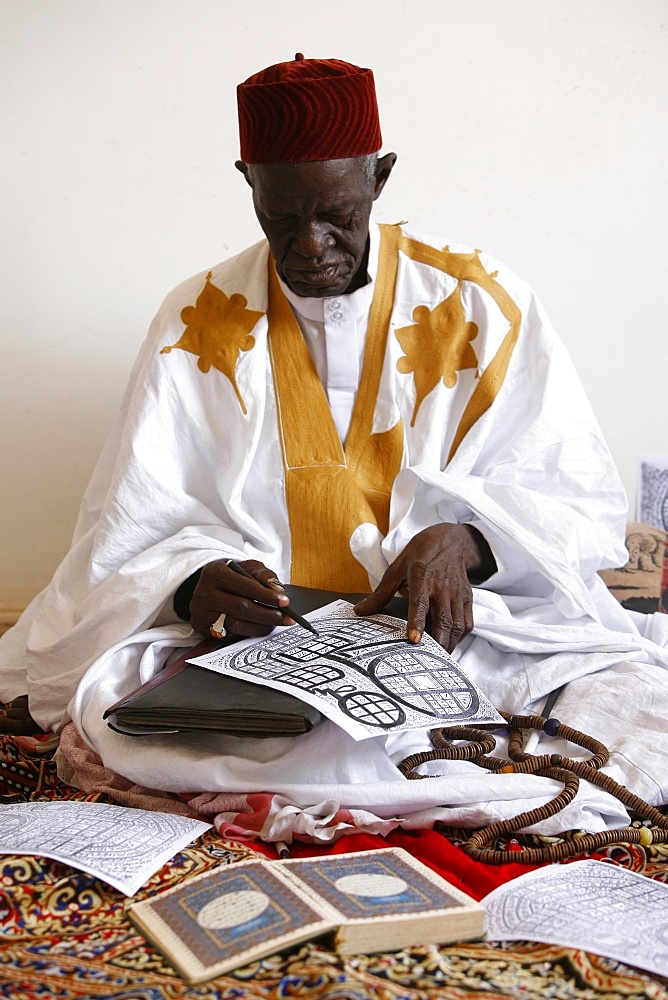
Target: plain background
x,y
533,129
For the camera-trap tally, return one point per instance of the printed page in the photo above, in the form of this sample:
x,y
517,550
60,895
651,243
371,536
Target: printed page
x,y
121,846
592,905
361,673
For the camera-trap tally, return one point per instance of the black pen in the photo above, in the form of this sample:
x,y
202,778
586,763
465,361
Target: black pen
x,y
284,611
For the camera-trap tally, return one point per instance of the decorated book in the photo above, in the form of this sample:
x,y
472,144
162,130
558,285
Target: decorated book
x,y
371,901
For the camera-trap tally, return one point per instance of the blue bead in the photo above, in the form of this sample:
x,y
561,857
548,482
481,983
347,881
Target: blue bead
x,y
551,727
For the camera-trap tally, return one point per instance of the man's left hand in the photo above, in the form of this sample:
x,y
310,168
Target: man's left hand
x,y
435,569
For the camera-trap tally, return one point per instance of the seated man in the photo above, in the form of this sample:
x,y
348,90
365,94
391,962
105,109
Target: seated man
x,y
359,408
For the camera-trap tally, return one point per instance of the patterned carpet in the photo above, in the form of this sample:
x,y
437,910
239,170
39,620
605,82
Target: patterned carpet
x,y
66,936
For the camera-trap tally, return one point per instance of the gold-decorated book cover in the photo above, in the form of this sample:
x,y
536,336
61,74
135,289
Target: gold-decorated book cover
x,y
372,901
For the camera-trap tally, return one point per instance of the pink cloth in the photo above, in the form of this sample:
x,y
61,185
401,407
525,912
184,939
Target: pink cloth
x,y
85,770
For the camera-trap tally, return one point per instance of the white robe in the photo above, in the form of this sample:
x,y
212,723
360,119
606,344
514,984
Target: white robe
x,y
193,472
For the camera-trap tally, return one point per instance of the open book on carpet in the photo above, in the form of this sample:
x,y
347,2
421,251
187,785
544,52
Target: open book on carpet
x,y
386,900
380,900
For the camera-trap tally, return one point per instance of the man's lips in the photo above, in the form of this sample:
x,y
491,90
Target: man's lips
x,y
314,274
321,278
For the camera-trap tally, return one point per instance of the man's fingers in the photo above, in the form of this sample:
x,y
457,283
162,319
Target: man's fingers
x,y
220,578
263,575
251,603
373,603
445,599
434,566
451,624
242,616
419,601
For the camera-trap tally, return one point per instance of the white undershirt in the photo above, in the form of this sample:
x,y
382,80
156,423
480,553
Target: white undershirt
x,y
335,330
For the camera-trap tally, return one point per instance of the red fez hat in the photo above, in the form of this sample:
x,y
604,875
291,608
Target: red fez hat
x,y
308,109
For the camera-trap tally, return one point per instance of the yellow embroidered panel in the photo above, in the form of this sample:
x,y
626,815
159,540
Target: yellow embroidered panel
x,y
329,493
448,321
217,331
375,459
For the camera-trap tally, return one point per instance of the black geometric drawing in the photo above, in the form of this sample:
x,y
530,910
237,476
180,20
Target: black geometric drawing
x,y
368,670
418,680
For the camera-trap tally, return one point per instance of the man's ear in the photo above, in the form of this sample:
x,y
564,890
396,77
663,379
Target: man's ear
x,y
383,171
243,168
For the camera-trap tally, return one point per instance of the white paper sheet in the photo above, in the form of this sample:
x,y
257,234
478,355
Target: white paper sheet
x,y
359,672
652,505
592,905
119,845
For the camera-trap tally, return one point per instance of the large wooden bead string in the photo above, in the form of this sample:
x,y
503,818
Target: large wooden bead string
x,y
476,745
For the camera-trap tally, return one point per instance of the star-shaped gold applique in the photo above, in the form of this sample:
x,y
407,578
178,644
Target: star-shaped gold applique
x,y
438,346
217,330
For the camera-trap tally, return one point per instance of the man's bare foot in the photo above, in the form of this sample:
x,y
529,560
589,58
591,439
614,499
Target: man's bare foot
x,y
16,720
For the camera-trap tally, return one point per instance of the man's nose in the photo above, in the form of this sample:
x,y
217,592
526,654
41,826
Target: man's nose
x,y
312,239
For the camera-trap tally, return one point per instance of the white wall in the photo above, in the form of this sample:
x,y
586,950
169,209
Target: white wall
x,y
533,129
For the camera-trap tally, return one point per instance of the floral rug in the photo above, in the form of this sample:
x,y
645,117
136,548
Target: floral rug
x,y
67,936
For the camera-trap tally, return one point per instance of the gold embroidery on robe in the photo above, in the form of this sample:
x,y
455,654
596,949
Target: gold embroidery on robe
x,y
468,267
329,493
438,346
217,331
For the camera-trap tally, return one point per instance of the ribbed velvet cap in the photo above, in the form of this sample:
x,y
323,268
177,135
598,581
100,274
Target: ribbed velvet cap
x,y
308,109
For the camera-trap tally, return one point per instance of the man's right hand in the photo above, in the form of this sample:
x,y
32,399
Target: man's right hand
x,y
251,607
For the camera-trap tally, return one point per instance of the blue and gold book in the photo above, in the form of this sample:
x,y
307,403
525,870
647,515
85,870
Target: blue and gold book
x,y
371,901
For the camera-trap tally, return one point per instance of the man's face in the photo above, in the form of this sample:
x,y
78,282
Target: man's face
x,y
316,219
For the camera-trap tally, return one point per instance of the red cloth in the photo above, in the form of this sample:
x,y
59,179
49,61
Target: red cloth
x,y
432,848
308,109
